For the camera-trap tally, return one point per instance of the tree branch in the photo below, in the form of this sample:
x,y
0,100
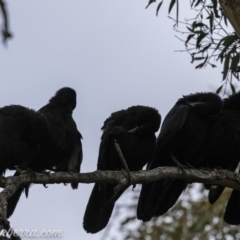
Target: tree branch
x,y
215,176
231,9
11,184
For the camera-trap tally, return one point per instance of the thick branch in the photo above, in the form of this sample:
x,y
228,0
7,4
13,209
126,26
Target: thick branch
x,y
11,184
216,176
231,9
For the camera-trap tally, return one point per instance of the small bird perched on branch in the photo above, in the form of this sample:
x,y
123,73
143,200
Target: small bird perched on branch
x,y
188,135
60,148
131,131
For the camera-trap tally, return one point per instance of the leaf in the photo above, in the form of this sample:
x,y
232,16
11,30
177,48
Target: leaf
x,y
190,29
190,36
210,17
202,64
219,43
199,66
227,43
205,48
149,3
224,18
235,62
215,8
230,39
234,49
198,58
200,38
199,24
226,66
193,1
219,89
197,3
212,65
171,5
158,7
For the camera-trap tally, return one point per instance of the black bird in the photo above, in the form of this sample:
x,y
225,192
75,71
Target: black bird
x,y
232,211
22,133
65,150
180,143
61,149
228,155
134,130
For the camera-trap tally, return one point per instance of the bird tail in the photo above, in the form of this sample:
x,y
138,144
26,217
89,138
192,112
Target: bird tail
x,y
146,201
98,210
158,197
232,212
171,191
214,193
12,202
216,190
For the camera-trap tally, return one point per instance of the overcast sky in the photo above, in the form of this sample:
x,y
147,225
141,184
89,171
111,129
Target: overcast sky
x,y
115,54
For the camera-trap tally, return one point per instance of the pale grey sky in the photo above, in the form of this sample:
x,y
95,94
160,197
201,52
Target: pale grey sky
x,y
115,54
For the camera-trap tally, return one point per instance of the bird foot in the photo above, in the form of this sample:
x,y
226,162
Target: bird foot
x,y
127,175
180,166
26,171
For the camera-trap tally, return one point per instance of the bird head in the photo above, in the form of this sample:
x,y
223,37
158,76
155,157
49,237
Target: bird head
x,y
204,103
65,98
148,120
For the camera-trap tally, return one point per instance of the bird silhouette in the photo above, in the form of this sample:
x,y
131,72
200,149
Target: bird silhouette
x,y
134,130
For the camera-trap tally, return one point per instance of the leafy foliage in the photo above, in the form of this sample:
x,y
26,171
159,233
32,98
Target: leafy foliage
x,y
208,40
191,218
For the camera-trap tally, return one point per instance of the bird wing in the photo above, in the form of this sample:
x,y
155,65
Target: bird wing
x,y
173,122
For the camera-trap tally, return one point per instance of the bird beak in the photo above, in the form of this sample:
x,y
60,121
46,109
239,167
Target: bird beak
x,y
134,130
192,104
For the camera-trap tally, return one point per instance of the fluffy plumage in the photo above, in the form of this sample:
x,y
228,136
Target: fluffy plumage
x,y
61,149
182,137
134,129
226,153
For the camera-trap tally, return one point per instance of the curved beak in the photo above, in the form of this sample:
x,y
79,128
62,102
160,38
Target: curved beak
x,y
134,130
192,104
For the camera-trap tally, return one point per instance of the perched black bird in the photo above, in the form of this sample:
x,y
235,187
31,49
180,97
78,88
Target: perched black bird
x,y
134,130
180,142
65,148
61,149
227,154
22,133
232,211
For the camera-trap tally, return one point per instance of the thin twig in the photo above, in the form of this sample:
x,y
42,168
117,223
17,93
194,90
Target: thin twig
x,y
123,160
5,32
